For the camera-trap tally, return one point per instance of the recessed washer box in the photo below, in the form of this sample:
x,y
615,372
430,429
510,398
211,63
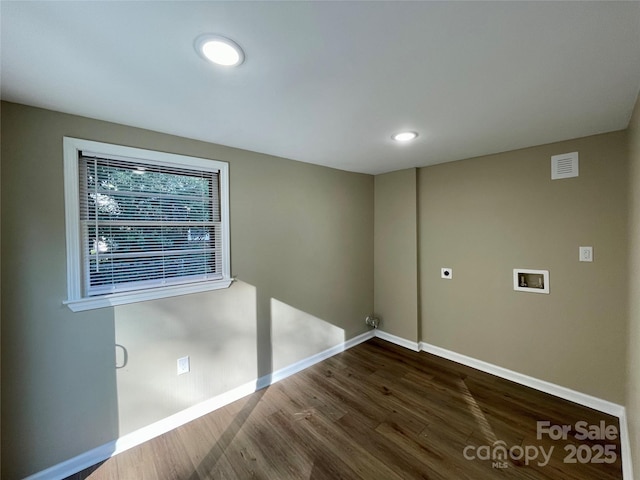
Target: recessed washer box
x,y
528,280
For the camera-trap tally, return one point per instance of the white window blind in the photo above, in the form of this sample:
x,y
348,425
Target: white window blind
x,y
144,225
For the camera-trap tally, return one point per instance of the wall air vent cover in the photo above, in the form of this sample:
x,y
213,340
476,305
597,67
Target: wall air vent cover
x,y
564,166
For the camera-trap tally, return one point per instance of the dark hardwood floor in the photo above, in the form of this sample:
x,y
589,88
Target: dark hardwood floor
x,y
378,411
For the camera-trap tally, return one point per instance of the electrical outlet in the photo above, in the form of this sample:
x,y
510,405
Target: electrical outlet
x,y
586,254
183,365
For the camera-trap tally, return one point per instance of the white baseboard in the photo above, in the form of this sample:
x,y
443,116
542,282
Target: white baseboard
x,y
103,452
625,446
312,360
397,340
542,385
551,388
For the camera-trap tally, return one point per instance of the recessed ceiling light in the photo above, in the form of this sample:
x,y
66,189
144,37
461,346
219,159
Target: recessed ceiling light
x,y
219,50
404,136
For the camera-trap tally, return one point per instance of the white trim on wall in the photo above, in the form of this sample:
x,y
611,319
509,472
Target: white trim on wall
x,y
103,452
625,446
541,385
397,340
547,387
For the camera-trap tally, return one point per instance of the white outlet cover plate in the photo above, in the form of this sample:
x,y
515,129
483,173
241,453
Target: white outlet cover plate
x,y
183,365
586,254
446,272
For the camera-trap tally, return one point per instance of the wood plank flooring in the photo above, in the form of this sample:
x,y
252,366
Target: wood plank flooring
x,y
376,411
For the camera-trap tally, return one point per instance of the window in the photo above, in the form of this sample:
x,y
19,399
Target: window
x,y
142,224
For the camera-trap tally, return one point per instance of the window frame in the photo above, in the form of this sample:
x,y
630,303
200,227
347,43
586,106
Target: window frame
x,y
76,301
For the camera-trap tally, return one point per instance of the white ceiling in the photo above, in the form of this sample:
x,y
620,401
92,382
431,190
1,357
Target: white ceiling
x,y
329,82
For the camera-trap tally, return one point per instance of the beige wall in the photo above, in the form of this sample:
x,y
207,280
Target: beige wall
x,y
633,381
485,216
396,253
302,250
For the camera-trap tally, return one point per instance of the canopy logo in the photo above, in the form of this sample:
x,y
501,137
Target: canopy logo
x,y
500,455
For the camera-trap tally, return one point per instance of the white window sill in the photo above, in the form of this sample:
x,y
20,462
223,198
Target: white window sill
x,y
113,299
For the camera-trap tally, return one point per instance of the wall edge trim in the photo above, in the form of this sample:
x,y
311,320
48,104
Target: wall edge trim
x,y
625,447
565,393
415,346
106,451
541,385
144,434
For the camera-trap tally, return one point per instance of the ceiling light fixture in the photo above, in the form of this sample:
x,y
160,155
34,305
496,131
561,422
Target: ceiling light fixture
x,y
404,136
219,50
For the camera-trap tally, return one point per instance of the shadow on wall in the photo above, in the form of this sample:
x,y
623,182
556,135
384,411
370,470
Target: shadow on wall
x,y
232,337
62,386
296,335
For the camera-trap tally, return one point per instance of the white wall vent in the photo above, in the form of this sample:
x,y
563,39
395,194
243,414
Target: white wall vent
x,y
564,166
